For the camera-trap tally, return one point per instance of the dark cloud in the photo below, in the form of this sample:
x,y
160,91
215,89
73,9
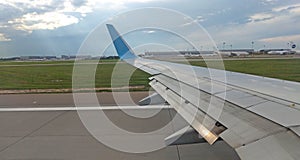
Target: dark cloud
x,y
78,3
8,13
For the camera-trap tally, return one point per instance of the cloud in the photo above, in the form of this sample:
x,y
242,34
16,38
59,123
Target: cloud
x,y
268,2
4,38
276,12
261,17
286,8
49,20
30,15
271,26
281,39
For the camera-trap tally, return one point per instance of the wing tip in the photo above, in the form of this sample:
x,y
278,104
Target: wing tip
x,y
123,49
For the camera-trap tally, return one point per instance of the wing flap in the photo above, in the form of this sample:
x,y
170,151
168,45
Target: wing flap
x,y
206,126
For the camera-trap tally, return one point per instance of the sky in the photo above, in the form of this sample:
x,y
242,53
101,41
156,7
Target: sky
x,y
57,27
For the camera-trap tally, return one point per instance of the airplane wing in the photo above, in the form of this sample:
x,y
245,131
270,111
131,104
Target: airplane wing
x,y
259,117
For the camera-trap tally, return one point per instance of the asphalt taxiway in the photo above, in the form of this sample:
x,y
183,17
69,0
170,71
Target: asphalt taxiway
x,y
61,135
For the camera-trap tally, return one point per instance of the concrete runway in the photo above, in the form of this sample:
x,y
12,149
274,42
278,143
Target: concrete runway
x,y
60,135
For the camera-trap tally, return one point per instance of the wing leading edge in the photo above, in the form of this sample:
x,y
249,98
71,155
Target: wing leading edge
x,y
259,121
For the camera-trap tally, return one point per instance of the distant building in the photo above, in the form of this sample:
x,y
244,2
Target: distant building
x,y
50,57
78,57
155,54
37,58
179,53
64,57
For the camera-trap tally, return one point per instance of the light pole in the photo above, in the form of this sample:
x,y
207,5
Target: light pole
x,y
252,46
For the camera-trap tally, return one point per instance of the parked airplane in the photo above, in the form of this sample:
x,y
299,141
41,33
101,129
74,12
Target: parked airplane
x,y
259,117
279,52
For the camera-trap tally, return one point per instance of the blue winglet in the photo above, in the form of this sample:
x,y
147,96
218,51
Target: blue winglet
x,y
123,49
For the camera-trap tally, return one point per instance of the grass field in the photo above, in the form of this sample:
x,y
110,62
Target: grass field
x,y
22,75
25,76
53,62
287,69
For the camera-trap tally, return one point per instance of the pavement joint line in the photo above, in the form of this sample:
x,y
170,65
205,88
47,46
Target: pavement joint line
x,y
173,128
32,132
178,152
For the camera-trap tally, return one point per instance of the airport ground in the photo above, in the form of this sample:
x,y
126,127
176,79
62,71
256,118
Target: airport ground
x,y
60,135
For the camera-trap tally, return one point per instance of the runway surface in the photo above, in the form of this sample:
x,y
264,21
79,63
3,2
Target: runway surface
x,y
60,135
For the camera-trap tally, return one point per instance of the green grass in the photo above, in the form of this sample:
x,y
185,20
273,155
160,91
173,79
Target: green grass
x,y
60,75
287,69
34,62
28,77
54,62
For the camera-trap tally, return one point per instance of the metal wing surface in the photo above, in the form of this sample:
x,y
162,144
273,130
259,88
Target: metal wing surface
x,y
259,117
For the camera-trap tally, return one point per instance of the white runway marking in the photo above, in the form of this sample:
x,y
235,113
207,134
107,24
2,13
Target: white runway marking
x,y
40,109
